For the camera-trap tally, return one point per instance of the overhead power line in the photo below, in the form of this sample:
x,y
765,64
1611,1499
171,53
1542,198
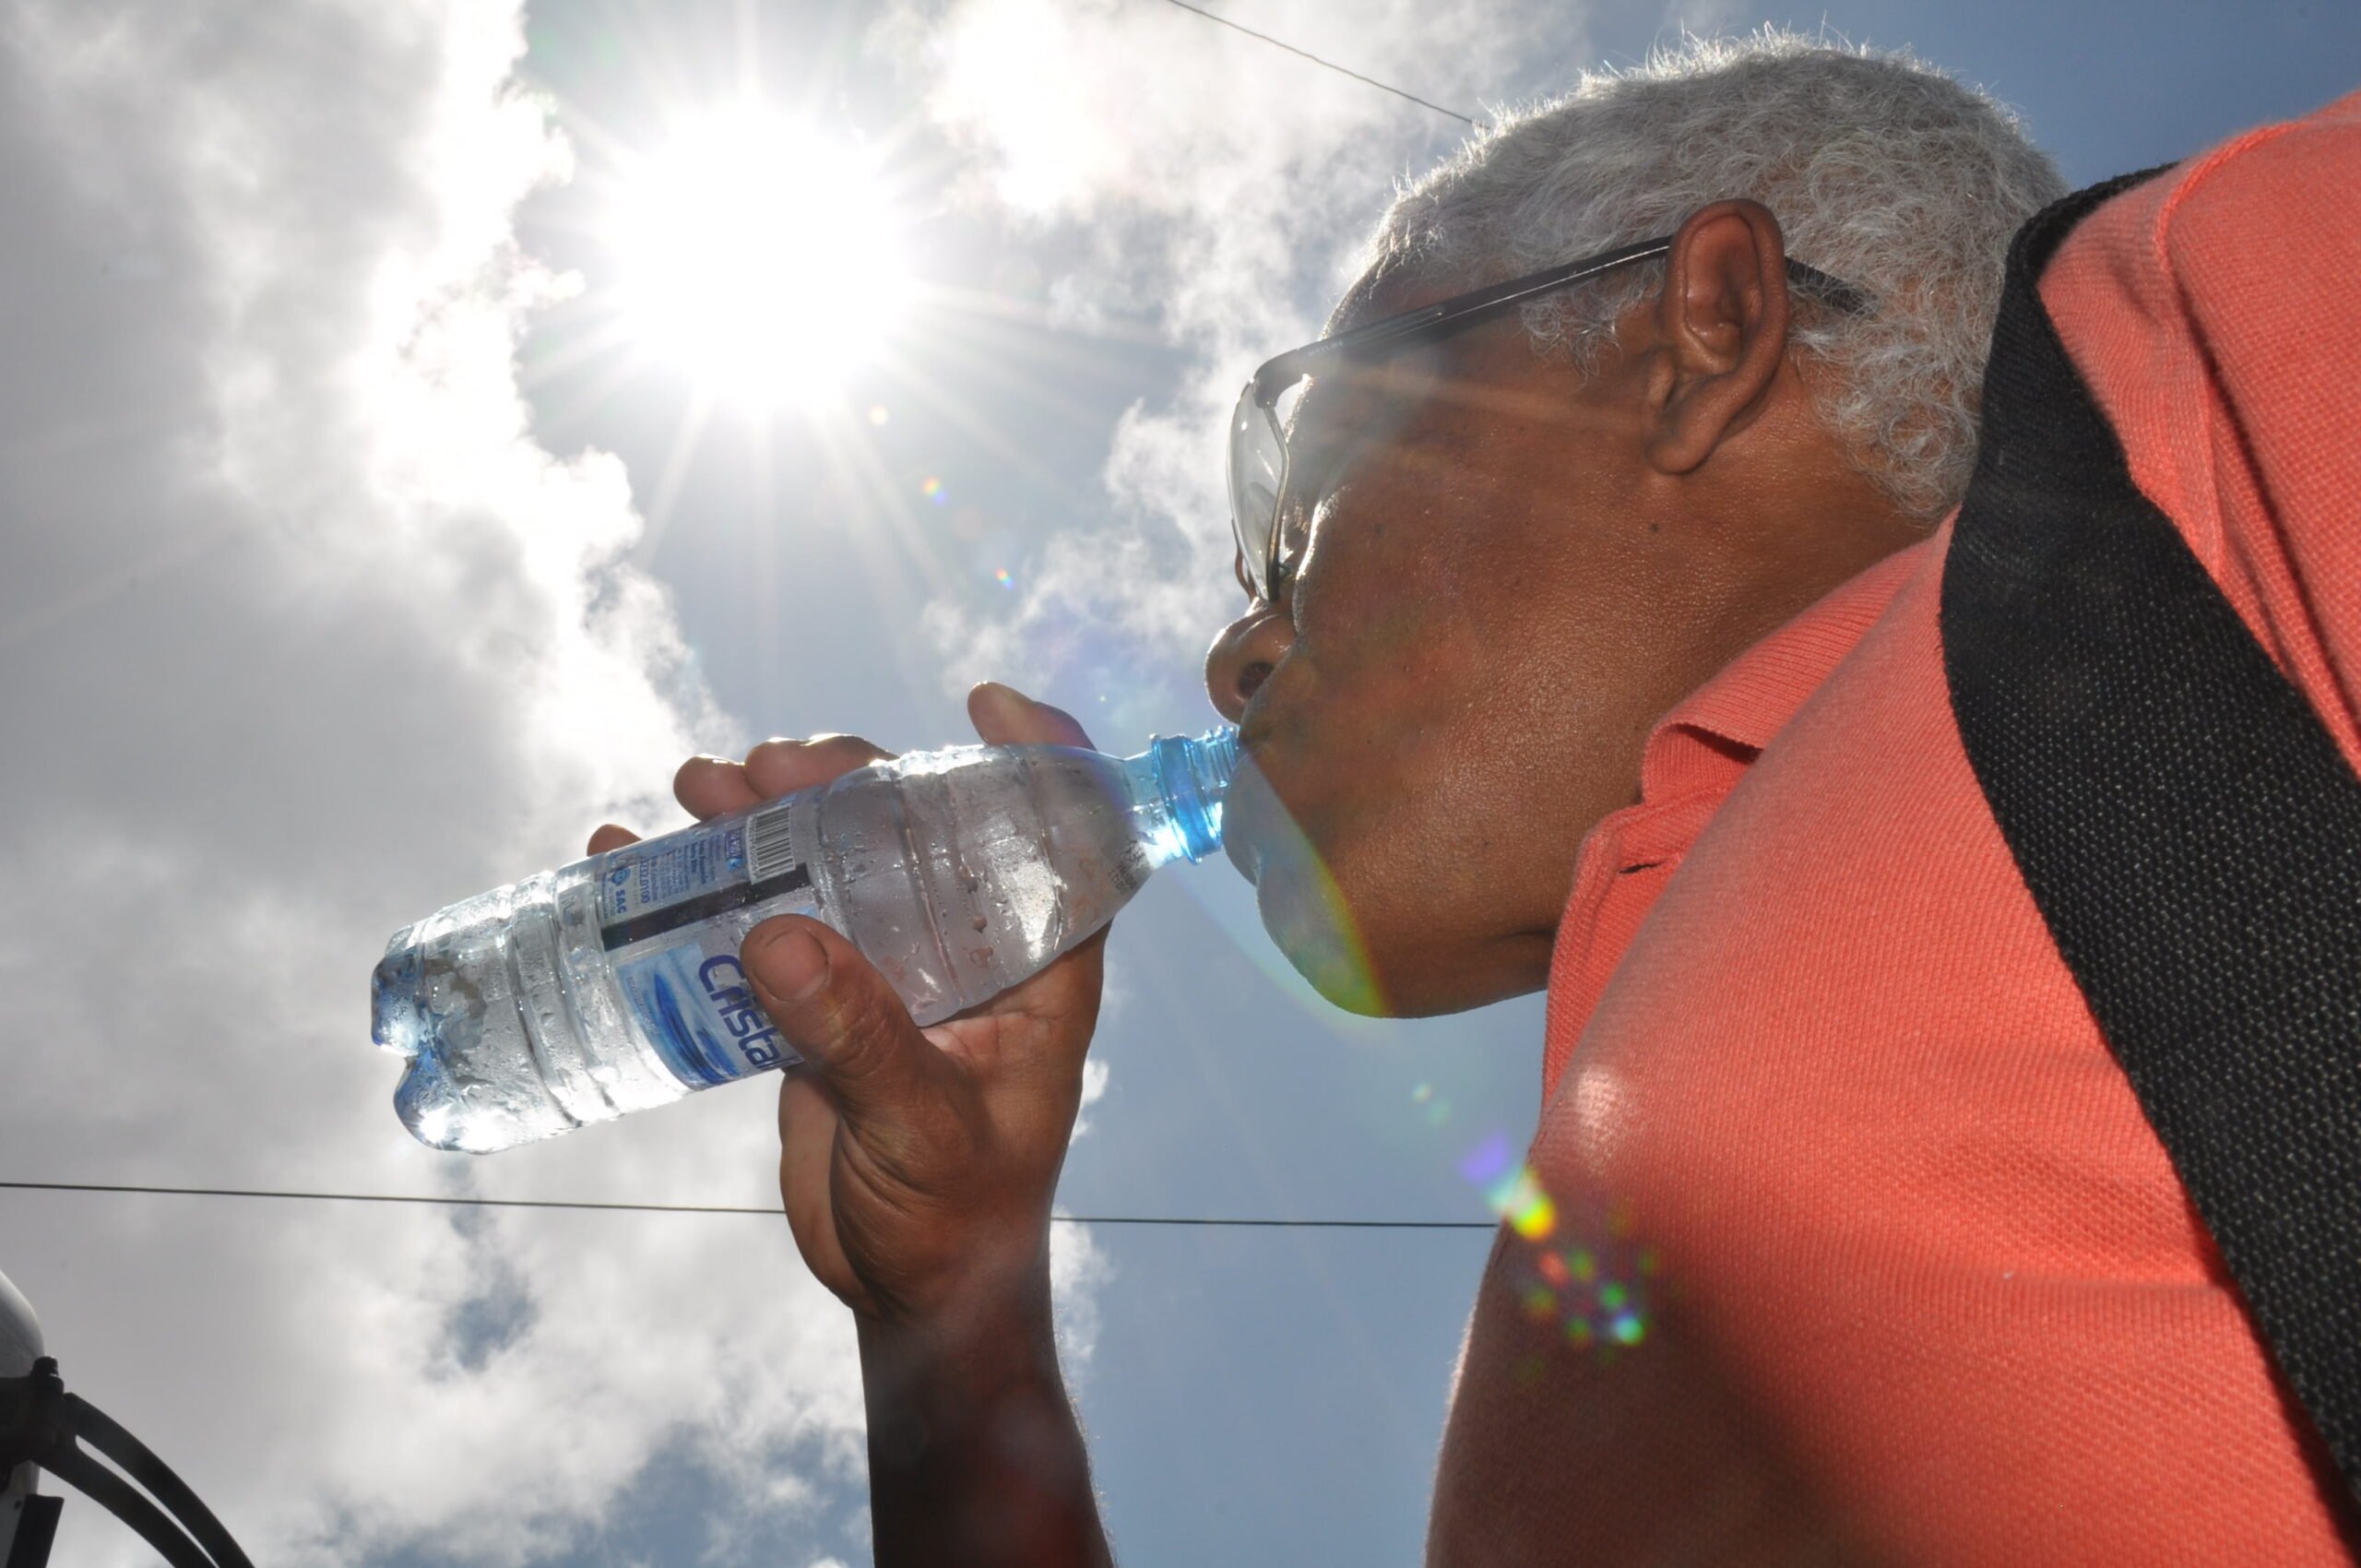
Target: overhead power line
x,y
1317,60
712,1208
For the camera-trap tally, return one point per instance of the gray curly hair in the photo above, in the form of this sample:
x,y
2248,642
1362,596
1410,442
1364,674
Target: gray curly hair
x,y
1880,168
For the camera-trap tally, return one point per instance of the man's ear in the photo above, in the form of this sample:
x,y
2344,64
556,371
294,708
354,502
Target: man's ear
x,y
1722,325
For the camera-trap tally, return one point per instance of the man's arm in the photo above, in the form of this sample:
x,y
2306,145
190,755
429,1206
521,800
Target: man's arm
x,y
974,1452
917,1169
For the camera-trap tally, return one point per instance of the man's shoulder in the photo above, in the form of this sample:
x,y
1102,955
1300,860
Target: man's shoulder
x,y
2208,310
2230,216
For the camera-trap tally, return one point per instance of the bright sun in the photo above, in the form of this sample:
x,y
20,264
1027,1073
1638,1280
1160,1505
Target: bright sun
x,y
762,259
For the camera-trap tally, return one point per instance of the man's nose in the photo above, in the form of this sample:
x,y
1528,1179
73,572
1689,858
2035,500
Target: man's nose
x,y
1241,657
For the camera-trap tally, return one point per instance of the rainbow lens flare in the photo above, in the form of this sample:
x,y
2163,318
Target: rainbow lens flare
x,y
1604,1310
1303,910
1511,1188
1596,1291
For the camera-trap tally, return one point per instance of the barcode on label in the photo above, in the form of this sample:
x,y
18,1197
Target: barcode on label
x,y
767,848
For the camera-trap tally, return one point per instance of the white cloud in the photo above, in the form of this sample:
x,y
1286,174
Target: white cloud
x,y
1224,188
1095,1073
305,637
1079,1272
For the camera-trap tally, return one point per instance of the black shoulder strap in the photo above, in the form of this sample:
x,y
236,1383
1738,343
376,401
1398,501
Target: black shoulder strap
x,y
2187,827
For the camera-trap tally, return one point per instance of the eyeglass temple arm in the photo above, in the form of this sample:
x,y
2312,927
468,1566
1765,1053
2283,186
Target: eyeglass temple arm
x,y
1279,374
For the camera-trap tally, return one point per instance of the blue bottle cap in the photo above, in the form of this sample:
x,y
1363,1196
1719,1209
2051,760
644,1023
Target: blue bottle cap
x,y
1194,776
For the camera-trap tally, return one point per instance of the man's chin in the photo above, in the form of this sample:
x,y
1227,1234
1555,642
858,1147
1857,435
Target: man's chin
x,y
1310,922
1300,904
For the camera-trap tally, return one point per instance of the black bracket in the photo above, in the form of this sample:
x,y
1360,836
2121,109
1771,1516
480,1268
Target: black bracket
x,y
43,1424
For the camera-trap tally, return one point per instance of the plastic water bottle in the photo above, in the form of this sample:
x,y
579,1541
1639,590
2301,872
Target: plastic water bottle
x,y
613,983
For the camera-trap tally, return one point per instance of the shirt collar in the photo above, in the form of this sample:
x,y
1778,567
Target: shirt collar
x,y
1712,735
1695,757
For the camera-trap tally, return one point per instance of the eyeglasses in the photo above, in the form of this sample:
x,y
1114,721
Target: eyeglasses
x,y
1258,445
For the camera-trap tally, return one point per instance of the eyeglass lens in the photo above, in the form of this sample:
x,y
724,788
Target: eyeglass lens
x,y
1258,472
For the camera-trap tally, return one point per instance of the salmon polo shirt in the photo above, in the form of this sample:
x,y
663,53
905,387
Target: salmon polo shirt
x,y
1842,1237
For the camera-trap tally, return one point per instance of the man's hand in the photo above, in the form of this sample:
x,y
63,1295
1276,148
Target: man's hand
x,y
918,1168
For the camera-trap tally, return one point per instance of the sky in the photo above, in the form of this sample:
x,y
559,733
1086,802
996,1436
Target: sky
x,y
368,532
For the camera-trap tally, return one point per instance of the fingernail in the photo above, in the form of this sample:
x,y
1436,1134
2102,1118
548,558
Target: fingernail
x,y
789,963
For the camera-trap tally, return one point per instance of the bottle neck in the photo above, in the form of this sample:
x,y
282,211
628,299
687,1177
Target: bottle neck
x,y
1183,783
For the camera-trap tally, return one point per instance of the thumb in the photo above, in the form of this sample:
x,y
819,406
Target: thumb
x,y
832,1006
1007,717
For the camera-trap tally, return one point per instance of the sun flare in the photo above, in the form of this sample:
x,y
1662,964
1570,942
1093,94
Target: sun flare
x,y
762,259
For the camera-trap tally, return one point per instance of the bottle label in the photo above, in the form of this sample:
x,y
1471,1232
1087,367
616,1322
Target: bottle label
x,y
672,914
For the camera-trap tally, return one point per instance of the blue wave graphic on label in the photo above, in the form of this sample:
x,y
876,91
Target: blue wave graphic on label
x,y
698,1010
